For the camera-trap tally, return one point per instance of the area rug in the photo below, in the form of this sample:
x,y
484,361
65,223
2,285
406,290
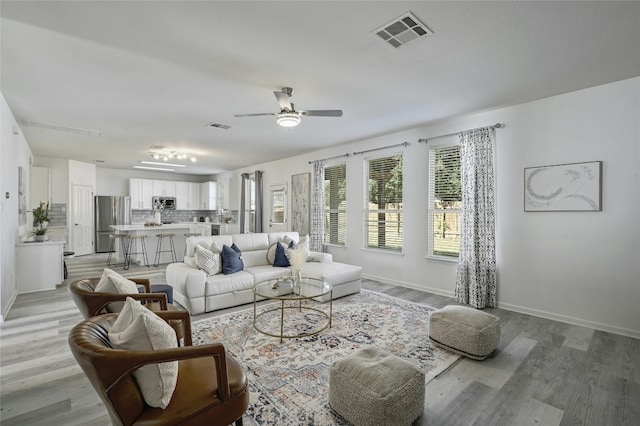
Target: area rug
x,y
289,381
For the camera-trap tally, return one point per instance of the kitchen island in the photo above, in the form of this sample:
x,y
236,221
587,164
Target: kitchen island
x,y
179,229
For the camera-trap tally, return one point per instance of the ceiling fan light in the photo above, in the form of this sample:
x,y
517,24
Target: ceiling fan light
x,y
288,119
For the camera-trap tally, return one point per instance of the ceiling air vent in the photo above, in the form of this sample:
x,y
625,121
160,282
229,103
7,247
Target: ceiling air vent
x,y
402,30
219,126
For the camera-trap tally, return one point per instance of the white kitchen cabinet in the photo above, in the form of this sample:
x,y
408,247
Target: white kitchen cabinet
x,y
204,229
208,191
141,193
187,195
40,179
164,188
39,266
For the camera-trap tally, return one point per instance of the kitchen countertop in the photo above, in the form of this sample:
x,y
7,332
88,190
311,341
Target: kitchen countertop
x,y
141,227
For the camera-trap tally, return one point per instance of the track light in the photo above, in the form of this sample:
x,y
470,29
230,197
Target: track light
x,y
167,155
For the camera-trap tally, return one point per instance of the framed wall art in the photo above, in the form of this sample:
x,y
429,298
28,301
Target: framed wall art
x,y
301,203
563,187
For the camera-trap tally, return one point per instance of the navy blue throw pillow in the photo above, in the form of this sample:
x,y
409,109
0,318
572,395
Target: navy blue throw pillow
x,y
281,258
231,260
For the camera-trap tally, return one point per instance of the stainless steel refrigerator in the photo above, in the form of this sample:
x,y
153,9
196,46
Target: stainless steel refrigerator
x,y
109,211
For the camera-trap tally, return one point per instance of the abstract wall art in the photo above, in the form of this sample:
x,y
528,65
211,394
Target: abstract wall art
x,y
563,187
301,203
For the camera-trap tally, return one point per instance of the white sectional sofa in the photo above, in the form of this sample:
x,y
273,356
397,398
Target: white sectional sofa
x,y
199,293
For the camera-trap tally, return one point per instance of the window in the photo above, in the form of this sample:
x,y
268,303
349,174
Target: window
x,y
278,204
445,201
335,204
250,203
383,203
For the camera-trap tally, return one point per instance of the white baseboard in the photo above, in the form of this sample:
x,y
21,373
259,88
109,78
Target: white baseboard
x,y
413,286
521,309
570,320
5,310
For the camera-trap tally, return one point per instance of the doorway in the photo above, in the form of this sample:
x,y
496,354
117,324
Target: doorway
x,y
82,220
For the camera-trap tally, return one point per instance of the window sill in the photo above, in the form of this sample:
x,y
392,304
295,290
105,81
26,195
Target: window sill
x,y
391,252
444,259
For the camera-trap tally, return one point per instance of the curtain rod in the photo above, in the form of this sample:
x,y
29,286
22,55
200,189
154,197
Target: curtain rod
x,y
425,140
382,147
330,158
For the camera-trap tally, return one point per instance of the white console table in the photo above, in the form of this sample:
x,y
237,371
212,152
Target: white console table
x,y
39,265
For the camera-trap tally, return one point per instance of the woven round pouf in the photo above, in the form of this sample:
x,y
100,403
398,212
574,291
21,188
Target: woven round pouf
x,y
374,387
464,330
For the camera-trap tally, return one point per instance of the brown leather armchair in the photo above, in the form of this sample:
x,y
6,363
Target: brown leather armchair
x,y
211,390
92,303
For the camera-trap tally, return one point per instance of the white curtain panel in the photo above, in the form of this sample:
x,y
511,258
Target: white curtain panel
x,y
317,208
476,272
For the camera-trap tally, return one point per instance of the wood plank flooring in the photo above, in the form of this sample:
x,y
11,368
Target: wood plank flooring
x,y
543,373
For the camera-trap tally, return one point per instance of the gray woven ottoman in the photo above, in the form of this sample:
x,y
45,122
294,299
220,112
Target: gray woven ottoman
x,y
374,387
466,331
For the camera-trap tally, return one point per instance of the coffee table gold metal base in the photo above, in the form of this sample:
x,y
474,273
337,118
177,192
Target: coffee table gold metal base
x,y
282,291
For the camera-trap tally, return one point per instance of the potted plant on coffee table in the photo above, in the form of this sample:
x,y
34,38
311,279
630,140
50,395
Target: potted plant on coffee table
x,y
40,222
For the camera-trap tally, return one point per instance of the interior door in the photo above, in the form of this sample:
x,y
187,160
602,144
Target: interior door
x,y
82,219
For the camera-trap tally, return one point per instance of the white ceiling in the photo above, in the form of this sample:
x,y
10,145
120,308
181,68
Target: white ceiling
x,y
156,73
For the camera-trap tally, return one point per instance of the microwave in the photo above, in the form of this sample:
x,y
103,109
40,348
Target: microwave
x,y
168,202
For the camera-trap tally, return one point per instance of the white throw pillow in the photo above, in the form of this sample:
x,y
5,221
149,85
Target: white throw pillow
x,y
208,261
297,257
304,244
271,253
139,329
112,282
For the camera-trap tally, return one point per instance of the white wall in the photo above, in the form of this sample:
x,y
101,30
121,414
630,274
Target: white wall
x,y
14,153
577,267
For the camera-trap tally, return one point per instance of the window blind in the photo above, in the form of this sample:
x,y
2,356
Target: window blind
x,y
383,203
445,200
335,195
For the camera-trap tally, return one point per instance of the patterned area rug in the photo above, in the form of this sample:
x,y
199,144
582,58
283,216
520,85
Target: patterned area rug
x,y
289,381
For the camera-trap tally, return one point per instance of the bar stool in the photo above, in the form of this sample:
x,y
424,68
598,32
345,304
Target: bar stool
x,y
112,248
159,250
187,235
133,245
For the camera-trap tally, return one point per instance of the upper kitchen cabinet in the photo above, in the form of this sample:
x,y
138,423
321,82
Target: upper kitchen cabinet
x,y
164,188
208,200
40,186
187,195
141,193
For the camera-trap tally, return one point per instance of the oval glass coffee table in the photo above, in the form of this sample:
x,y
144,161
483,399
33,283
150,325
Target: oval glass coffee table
x,y
291,297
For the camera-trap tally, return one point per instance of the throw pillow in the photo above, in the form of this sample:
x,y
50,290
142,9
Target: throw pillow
x,y
305,243
280,257
112,282
208,261
231,260
139,329
271,253
297,257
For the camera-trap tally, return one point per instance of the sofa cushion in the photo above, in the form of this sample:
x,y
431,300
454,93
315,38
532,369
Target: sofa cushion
x,y
231,259
220,284
333,273
139,329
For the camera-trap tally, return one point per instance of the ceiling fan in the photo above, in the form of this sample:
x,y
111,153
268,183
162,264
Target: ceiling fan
x,y
288,116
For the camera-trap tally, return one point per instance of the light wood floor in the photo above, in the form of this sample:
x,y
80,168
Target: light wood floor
x,y
544,372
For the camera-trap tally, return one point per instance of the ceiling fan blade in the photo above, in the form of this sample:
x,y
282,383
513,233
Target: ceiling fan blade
x,y
255,115
283,100
323,112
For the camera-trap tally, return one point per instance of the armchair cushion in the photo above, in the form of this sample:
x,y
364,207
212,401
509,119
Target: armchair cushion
x,y
112,282
139,329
